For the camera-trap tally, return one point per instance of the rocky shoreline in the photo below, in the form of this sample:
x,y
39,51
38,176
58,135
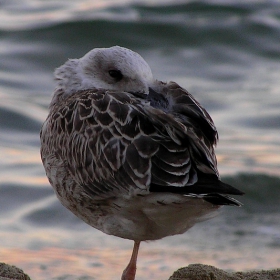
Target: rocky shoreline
x,y
191,272
10,272
207,272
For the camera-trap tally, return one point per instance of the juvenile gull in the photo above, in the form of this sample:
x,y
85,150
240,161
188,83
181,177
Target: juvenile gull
x,y
129,155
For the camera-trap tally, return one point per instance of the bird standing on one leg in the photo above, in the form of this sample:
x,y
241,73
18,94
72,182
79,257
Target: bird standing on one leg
x,y
130,155
130,270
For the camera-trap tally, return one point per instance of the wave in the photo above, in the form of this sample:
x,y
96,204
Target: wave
x,y
262,191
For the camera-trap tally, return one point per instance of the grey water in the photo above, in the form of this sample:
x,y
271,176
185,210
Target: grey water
x,y
226,53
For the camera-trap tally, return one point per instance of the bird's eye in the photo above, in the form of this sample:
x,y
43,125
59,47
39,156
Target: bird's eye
x,y
116,74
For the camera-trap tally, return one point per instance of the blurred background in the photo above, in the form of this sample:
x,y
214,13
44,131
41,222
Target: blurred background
x,y
226,53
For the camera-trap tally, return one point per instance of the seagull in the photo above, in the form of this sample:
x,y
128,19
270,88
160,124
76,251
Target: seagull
x,y
128,154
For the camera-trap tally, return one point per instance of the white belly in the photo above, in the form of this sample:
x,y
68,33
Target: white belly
x,y
153,216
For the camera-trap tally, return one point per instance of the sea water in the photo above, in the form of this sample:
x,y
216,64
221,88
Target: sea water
x,y
226,53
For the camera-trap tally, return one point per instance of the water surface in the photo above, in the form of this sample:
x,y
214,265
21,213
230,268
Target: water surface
x,y
225,53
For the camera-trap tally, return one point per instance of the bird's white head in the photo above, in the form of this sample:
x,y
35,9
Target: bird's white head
x,y
115,68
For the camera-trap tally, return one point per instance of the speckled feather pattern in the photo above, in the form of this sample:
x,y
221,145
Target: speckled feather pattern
x,y
121,140
111,156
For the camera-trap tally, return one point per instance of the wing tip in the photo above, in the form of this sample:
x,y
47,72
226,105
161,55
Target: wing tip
x,y
220,199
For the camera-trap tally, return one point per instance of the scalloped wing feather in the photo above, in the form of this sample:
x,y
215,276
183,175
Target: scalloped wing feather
x,y
113,141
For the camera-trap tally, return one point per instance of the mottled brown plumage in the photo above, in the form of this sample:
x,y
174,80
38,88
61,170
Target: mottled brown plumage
x,y
139,163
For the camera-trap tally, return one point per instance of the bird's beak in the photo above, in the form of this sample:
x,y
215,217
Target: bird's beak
x,y
157,99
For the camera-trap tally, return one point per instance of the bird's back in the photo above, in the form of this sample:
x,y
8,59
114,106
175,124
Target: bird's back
x,y
115,158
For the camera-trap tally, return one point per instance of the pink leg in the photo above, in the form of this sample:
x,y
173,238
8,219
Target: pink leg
x,y
130,271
